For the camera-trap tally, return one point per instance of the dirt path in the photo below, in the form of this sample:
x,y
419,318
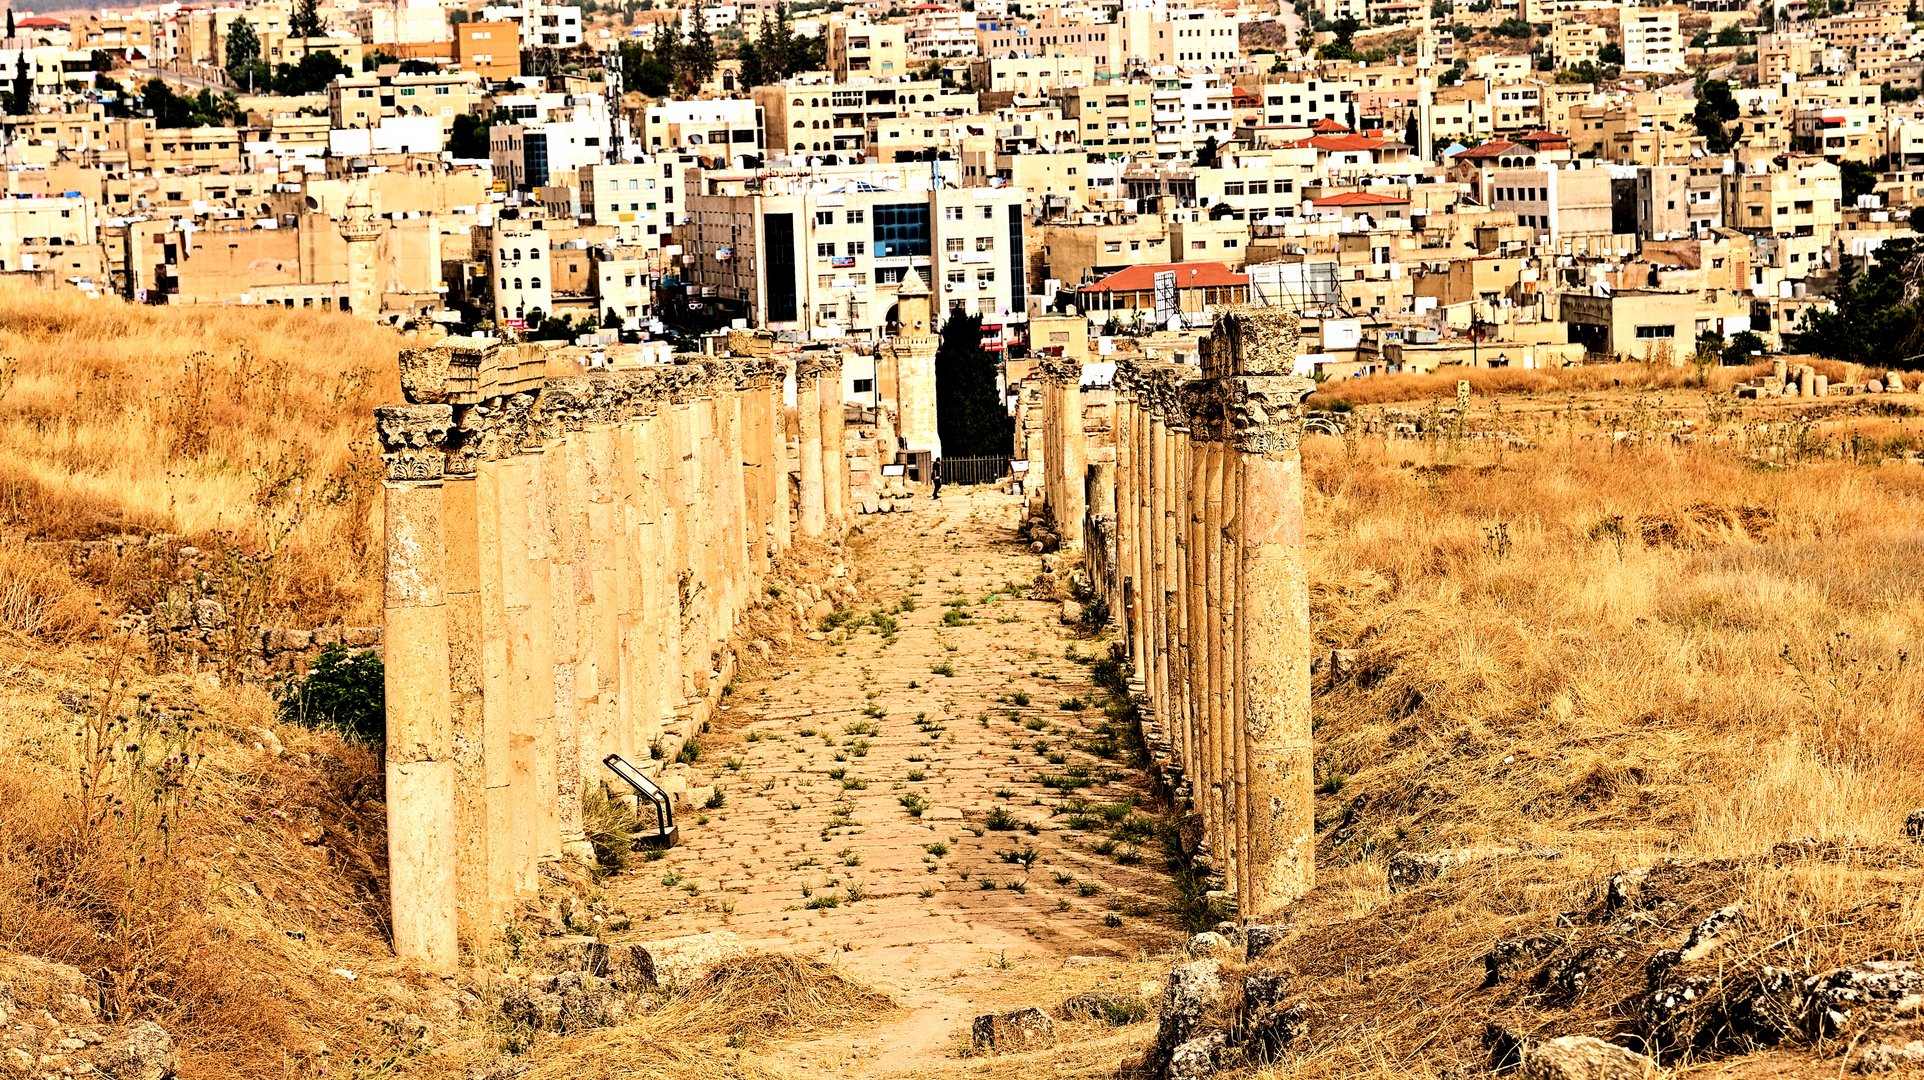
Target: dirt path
x,y
930,796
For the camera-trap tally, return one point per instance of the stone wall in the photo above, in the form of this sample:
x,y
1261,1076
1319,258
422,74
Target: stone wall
x,y
566,559
1197,544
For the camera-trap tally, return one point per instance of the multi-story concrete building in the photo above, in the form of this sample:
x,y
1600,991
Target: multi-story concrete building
x,y
491,50
865,50
359,101
820,252
1651,40
813,116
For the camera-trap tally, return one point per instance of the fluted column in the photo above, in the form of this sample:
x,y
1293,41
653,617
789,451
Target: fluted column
x,y
1220,759
1074,456
419,749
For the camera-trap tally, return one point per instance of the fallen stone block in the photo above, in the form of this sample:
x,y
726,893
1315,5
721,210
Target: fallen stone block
x,y
1015,1032
1581,1057
673,962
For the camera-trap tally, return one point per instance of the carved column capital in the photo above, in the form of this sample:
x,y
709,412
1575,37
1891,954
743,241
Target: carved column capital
x,y
1265,413
414,440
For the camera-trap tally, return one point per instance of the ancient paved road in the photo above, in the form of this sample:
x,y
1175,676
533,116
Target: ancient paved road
x,y
949,692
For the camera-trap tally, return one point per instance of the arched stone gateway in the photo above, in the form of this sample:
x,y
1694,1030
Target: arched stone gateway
x,y
566,558
1195,538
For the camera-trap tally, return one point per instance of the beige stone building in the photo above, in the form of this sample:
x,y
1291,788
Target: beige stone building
x,y
810,117
363,101
864,50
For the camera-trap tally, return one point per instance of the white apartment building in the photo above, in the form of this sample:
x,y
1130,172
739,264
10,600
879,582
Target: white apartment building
x,y
1651,40
520,270
642,201
941,34
821,252
546,26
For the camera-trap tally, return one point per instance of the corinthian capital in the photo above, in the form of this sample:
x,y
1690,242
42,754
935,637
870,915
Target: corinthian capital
x,y
1265,413
414,439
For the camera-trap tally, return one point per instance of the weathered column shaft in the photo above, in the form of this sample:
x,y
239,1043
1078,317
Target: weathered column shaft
x,y
808,418
461,528
1195,622
1220,761
834,451
1265,408
776,426
1074,458
419,742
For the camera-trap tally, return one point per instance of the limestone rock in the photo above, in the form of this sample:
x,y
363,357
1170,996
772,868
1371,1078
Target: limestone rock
x,y
1581,1057
1409,869
1014,1032
1259,940
1192,990
680,961
1196,1059
142,1050
1071,613
1847,997
1209,945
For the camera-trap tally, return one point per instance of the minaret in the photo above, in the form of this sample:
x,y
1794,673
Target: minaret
x,y
360,229
1425,85
913,349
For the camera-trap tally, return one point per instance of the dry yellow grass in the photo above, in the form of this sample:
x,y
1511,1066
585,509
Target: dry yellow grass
x,y
241,429
1625,653
1380,389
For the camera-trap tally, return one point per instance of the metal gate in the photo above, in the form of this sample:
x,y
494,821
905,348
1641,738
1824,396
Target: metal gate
x,y
975,470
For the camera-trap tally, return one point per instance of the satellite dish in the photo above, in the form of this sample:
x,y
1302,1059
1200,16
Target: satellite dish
x,y
313,203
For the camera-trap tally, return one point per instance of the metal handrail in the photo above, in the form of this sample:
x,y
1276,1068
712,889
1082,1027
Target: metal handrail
x,y
634,778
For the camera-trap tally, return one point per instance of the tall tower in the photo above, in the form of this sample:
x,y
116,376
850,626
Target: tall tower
x,y
913,349
1425,85
360,229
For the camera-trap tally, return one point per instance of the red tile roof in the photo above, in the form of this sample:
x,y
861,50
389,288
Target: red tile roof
x,y
1192,275
1327,125
40,22
1361,198
1344,143
1493,148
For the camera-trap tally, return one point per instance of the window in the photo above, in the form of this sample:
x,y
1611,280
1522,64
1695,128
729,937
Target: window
x,y
953,244
951,213
855,217
1655,332
985,243
901,229
824,217
824,251
853,247
825,281
958,277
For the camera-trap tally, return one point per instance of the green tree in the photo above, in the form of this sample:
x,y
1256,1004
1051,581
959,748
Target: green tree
x,y
1858,178
697,52
372,60
343,690
1873,318
970,416
1730,37
310,75
1610,53
468,136
1343,46
305,22
168,109
22,99
1716,106
1513,28
1208,152
753,73
243,49
1745,346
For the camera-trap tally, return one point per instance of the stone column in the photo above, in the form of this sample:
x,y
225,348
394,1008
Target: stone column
x,y
1197,623
1264,402
1124,506
461,515
419,746
808,419
1182,713
1156,558
1221,761
834,446
777,431
1236,797
1074,455
1140,437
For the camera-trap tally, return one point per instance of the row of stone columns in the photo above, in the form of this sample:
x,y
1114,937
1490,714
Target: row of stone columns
x,y
1065,452
1214,594
566,559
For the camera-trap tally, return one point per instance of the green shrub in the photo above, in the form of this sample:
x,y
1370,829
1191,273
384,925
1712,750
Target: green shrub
x,y
343,690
